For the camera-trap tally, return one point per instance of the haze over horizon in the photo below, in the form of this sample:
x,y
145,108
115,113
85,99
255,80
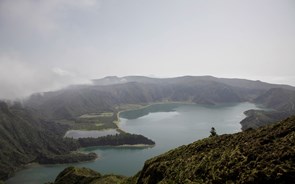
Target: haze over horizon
x,y
47,45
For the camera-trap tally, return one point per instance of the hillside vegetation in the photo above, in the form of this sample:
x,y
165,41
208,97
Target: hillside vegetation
x,y
110,93
282,103
25,138
34,133
254,156
116,140
265,155
72,175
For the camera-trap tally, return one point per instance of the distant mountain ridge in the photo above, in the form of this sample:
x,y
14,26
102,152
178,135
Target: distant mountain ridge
x,y
235,82
110,92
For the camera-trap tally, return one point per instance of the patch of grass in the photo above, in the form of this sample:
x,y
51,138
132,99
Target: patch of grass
x,y
92,121
129,107
99,124
97,115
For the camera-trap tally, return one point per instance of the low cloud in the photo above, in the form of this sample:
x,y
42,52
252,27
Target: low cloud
x,y
19,79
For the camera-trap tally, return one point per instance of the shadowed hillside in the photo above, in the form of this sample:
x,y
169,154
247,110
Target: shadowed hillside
x,y
282,103
75,101
25,138
279,99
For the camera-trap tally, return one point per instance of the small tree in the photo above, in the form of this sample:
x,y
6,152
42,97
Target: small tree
x,y
213,132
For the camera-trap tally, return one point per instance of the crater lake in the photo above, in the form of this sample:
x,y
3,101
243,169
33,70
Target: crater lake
x,y
169,125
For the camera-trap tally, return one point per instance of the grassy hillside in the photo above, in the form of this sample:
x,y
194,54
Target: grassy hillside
x,y
282,103
24,138
264,155
279,99
255,156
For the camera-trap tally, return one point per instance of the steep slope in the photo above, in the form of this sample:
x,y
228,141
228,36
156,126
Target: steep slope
x,y
254,156
279,99
258,118
282,103
25,138
76,101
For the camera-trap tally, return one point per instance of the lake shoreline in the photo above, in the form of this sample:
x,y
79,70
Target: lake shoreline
x,y
117,158
117,122
120,146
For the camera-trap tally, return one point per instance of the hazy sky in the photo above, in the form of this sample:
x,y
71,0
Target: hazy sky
x,y
47,44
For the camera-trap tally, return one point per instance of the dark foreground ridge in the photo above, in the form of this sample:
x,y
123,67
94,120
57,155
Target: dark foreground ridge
x,y
265,155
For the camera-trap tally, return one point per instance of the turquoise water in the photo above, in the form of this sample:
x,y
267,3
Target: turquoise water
x,y
169,125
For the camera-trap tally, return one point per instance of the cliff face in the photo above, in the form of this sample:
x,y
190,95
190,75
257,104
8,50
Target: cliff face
x,y
265,155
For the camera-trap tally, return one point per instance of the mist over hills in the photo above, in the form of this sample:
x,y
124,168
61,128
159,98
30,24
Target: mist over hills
x,y
29,132
110,92
243,83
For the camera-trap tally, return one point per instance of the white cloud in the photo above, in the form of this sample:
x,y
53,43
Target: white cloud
x,y
62,72
20,79
64,39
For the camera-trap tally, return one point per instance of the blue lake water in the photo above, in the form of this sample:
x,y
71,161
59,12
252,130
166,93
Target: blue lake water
x,y
169,125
